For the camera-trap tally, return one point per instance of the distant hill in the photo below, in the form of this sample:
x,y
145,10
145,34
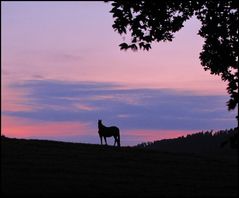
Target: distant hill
x,y
48,168
202,142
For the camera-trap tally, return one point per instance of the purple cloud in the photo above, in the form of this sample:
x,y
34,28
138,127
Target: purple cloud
x,y
162,109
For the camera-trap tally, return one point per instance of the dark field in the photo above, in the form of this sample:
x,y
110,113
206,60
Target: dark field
x,y
45,168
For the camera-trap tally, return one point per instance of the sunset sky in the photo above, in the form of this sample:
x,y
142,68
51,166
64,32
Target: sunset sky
x,y
62,70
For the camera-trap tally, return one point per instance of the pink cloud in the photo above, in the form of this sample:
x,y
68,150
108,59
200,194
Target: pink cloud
x,y
15,99
23,128
85,107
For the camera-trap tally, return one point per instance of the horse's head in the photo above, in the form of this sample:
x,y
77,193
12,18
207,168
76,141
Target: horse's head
x,y
99,122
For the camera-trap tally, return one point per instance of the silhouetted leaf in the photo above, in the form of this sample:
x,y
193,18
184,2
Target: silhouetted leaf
x,y
124,46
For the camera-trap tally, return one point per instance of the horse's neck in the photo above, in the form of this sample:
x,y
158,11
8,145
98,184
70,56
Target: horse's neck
x,y
101,126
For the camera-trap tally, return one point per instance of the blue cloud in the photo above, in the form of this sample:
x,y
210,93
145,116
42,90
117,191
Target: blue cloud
x,y
128,108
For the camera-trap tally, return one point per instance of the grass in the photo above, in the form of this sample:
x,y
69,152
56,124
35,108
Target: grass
x,y
45,168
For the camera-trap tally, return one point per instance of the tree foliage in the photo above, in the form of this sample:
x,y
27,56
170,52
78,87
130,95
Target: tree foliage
x,y
148,21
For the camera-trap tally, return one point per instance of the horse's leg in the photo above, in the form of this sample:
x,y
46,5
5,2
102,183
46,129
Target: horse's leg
x,y
115,140
101,140
105,140
118,140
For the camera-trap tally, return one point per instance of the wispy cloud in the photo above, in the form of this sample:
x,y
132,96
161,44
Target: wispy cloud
x,y
130,108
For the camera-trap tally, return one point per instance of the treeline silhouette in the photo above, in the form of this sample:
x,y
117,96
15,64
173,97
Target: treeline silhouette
x,y
223,141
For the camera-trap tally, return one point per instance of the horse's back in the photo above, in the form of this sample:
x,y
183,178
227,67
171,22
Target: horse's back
x,y
110,131
115,129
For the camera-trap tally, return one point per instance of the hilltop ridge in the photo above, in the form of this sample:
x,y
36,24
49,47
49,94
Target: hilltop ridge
x,y
45,168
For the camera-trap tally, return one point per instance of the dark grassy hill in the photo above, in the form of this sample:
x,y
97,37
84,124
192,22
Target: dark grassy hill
x,y
45,168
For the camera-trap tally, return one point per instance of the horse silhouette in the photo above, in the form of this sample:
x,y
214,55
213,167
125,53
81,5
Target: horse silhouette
x,y
108,132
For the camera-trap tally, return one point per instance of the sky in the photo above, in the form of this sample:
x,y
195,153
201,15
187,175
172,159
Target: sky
x,y
62,70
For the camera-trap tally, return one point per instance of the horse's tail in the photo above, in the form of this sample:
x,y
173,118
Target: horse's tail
x,y
119,139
